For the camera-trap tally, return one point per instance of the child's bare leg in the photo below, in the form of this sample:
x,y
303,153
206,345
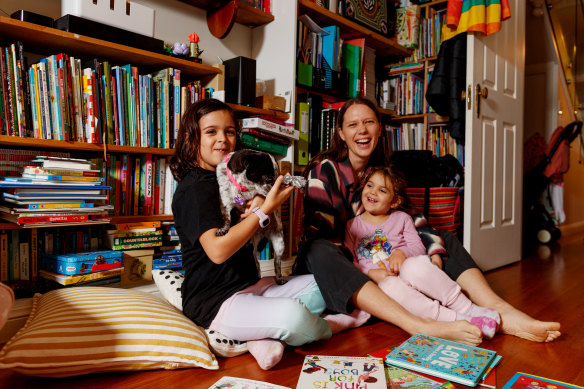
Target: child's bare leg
x,y
513,321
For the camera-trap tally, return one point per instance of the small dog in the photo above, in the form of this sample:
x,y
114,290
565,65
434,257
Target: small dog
x,y
242,175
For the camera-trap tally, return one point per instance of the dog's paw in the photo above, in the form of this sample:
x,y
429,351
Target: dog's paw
x,y
222,231
296,181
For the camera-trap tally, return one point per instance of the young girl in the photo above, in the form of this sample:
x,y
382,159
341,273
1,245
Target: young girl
x,y
416,283
222,290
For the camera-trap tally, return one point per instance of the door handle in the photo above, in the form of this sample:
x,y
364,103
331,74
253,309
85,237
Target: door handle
x,y
480,93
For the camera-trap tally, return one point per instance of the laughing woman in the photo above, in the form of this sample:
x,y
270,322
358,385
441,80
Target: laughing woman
x,y
333,197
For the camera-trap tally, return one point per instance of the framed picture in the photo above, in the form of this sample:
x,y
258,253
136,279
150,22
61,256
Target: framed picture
x,y
377,15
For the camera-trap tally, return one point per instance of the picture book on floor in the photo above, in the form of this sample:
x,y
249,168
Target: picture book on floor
x,y
243,383
443,358
325,371
529,381
399,378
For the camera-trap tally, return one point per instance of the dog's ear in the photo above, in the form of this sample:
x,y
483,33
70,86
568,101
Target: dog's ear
x,y
260,168
238,160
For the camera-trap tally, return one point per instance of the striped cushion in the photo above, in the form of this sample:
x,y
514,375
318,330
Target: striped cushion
x,y
85,330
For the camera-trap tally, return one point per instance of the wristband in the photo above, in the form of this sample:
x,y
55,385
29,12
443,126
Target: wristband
x,y
264,219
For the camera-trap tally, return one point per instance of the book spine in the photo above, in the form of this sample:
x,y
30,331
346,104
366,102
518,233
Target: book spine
x,y
135,239
148,185
4,273
14,256
59,205
52,219
24,261
12,130
52,177
34,254
135,246
136,189
162,184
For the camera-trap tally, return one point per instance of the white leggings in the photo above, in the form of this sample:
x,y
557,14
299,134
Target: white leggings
x,y
289,312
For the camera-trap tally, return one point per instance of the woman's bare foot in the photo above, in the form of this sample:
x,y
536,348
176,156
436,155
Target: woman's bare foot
x,y
515,322
459,331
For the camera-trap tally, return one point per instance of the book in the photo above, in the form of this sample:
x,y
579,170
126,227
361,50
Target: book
x,y
399,378
361,372
302,124
62,163
266,125
52,177
529,381
443,358
243,383
81,278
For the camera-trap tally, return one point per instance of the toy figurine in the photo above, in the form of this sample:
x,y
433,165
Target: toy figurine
x,y
180,49
195,51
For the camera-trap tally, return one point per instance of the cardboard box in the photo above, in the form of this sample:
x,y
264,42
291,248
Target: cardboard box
x,y
277,103
82,263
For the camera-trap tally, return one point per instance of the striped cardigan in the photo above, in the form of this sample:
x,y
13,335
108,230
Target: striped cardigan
x,y
333,197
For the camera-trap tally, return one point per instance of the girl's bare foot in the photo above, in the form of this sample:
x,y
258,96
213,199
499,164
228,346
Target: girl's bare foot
x,y
459,331
515,322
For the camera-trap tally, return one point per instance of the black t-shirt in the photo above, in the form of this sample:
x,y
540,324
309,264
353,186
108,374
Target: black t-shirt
x,y
196,209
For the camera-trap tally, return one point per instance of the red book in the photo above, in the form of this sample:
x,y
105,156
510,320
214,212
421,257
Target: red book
x,y
52,219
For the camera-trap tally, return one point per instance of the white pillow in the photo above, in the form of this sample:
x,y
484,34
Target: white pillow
x,y
169,282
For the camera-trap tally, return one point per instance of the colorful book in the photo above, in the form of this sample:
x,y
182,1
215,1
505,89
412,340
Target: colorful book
x,y
80,278
266,125
320,371
243,383
404,379
443,358
529,381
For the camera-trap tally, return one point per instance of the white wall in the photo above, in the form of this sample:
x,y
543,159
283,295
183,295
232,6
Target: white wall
x,y
173,22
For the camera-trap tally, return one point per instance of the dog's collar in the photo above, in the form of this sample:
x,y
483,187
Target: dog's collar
x,y
240,188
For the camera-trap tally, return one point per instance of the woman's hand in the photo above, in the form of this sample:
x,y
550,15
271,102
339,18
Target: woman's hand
x,y
276,196
396,259
437,260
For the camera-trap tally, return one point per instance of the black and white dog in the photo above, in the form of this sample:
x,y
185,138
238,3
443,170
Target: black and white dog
x,y
242,175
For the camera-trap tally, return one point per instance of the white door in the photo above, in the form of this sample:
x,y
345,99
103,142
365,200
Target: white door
x,y
494,143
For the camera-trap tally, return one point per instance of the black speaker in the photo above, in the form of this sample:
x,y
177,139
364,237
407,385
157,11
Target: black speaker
x,y
240,81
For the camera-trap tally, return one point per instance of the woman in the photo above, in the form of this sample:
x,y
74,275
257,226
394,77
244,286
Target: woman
x,y
333,197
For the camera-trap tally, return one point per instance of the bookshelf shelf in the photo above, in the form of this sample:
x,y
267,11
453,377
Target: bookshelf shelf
x,y
46,40
383,46
258,111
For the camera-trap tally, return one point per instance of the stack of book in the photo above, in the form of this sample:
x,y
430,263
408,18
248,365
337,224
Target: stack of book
x,y
55,190
445,359
267,134
168,259
129,236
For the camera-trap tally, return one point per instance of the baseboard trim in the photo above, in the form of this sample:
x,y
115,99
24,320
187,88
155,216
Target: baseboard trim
x,y
572,228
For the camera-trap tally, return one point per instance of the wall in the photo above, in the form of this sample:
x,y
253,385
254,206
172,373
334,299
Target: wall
x,y
173,22
541,60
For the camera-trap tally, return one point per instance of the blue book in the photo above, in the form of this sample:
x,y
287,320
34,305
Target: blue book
x,y
443,358
523,380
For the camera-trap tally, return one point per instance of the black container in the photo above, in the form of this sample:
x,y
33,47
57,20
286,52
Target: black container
x,y
31,17
98,30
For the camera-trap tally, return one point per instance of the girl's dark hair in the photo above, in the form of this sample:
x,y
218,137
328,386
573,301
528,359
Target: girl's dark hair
x,y
188,140
338,150
397,179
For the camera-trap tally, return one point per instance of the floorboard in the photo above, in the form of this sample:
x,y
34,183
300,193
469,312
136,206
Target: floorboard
x,y
547,284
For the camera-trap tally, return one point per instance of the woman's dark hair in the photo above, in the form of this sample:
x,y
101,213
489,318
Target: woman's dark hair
x,y
338,150
188,140
397,179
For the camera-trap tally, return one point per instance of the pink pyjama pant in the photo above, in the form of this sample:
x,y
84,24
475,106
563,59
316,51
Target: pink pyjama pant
x,y
426,291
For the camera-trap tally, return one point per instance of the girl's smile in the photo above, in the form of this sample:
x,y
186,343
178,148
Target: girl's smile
x,y
218,138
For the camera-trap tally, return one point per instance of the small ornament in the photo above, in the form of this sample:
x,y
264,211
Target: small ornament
x,y
180,49
195,52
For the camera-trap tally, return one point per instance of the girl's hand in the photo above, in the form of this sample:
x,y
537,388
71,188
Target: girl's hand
x,y
436,260
257,201
378,274
276,196
396,259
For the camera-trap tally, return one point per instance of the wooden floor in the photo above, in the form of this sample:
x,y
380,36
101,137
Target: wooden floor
x,y
547,284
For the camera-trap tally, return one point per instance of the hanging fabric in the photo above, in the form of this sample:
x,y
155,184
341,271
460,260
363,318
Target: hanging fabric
x,y
474,15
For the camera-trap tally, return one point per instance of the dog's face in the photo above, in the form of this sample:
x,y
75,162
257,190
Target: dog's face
x,y
258,167
255,170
